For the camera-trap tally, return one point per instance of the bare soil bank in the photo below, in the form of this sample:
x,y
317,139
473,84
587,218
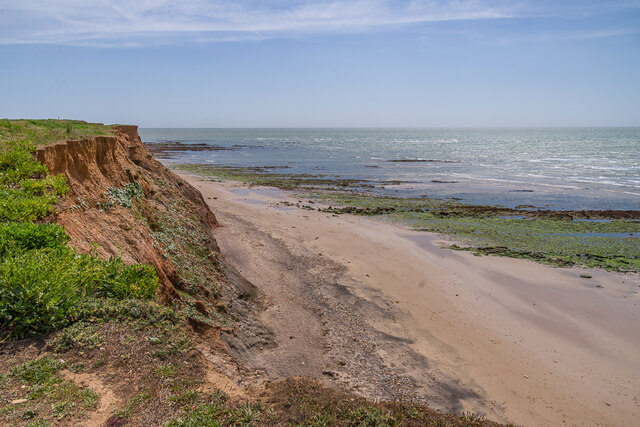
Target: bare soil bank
x,y
387,312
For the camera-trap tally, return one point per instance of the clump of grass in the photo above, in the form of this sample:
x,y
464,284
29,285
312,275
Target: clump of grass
x,y
47,394
37,372
186,398
80,334
218,412
166,371
370,416
121,417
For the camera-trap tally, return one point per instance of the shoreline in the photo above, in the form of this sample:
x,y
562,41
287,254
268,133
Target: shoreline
x,y
590,238
518,341
473,168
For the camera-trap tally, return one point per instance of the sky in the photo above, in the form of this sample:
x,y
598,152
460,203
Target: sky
x,y
333,63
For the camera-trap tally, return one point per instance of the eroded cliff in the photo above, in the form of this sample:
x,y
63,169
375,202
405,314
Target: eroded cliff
x,y
123,202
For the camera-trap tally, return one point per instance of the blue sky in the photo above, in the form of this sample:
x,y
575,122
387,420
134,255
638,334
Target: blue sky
x,y
200,63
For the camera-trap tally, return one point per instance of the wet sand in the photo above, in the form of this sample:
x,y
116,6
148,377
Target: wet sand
x,y
389,313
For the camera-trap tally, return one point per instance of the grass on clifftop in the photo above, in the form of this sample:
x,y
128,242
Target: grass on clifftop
x,y
43,132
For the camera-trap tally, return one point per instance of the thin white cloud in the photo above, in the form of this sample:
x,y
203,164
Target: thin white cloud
x,y
104,23
144,22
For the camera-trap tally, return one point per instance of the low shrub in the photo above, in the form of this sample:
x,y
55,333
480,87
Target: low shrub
x,y
20,237
20,206
17,162
26,191
121,281
40,290
103,309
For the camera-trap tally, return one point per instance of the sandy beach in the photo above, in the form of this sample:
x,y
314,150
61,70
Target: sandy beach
x,y
389,313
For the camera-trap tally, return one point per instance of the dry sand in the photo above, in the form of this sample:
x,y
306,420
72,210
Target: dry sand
x,y
389,313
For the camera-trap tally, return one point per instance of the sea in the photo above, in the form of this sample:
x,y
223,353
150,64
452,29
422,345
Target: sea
x,y
550,168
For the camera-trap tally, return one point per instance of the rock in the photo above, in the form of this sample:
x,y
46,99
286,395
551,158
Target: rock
x,y
202,308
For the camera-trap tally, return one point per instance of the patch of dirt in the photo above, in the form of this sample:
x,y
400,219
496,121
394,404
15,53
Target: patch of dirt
x,y
216,380
109,402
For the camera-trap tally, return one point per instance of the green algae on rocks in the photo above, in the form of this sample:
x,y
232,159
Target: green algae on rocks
x,y
548,237
603,239
265,176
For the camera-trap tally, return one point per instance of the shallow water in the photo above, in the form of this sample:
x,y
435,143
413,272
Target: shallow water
x,y
579,168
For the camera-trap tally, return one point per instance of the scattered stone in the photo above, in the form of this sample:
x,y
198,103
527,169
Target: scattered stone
x,y
201,308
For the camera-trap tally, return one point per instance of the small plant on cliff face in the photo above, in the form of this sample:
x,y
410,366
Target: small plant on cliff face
x,y
124,196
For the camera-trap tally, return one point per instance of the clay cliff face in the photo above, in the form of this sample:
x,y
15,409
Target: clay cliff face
x,y
122,202
102,168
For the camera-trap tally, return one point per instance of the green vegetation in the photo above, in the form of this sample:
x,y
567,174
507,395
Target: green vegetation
x,y
126,195
42,132
26,191
44,283
366,204
216,412
44,393
183,240
41,290
557,242
22,237
108,330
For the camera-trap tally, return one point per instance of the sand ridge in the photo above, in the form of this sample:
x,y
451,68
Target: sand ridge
x,y
376,307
